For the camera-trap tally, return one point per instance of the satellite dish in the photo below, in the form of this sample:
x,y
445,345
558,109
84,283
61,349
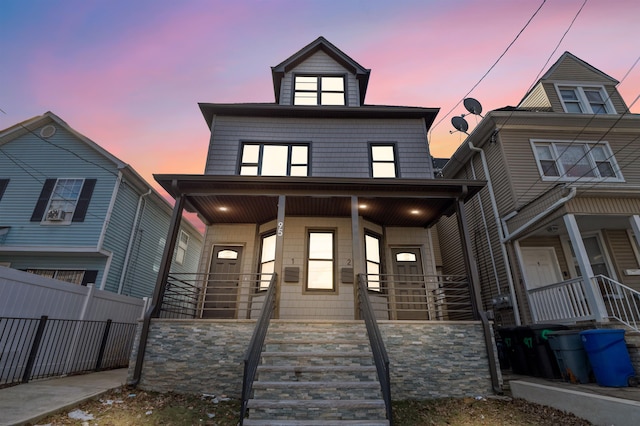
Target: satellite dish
x,y
473,106
460,124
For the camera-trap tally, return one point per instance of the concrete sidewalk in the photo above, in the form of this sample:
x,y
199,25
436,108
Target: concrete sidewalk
x,y
32,401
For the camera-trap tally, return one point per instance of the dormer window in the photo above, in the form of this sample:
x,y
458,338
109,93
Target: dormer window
x,y
585,100
319,90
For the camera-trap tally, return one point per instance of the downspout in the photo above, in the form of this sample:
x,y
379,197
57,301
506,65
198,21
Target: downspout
x,y
503,249
158,294
105,225
133,233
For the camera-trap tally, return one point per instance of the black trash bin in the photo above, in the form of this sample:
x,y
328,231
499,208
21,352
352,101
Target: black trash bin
x,y
514,350
539,357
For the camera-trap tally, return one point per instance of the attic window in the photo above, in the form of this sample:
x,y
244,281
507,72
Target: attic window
x,y
319,90
585,100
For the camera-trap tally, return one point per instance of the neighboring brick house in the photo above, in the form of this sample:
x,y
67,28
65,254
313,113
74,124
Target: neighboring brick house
x,y
72,211
325,200
555,232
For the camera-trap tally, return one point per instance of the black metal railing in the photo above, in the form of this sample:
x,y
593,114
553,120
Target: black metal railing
x,y
220,295
252,355
34,348
419,297
378,349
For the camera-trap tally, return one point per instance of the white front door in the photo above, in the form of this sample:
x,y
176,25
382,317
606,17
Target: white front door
x,y
541,266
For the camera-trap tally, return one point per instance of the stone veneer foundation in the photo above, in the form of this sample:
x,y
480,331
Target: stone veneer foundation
x,y
428,359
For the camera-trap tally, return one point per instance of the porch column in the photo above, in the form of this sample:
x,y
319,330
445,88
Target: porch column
x,y
358,257
469,260
635,226
279,261
594,298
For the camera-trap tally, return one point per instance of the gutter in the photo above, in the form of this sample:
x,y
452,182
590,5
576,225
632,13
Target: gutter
x,y
572,193
503,249
133,233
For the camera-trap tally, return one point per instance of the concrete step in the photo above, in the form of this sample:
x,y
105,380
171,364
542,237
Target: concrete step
x,y
327,410
257,422
317,357
325,373
317,390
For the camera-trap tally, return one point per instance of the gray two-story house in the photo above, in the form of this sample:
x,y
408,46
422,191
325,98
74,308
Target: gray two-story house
x,y
72,211
556,231
315,206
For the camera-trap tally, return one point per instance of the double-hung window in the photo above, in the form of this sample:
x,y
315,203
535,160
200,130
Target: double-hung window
x,y
570,161
372,253
181,248
383,161
63,200
585,100
320,260
258,159
267,260
319,90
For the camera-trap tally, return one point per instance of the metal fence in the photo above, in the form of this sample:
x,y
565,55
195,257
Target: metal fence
x,y
34,348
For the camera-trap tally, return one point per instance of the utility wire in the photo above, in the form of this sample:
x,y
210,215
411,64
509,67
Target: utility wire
x,y
490,68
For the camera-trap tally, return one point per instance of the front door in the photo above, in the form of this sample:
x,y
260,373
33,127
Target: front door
x,y
540,266
221,296
410,291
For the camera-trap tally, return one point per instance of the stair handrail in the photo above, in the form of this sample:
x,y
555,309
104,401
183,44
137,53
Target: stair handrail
x,y
378,349
622,302
252,355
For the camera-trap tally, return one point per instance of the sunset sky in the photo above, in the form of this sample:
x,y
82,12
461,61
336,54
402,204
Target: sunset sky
x,y
129,74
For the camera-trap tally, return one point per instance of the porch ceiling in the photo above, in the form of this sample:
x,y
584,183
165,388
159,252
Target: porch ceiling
x,y
250,199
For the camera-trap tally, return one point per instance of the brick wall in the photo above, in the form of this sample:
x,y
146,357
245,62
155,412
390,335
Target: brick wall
x,y
428,359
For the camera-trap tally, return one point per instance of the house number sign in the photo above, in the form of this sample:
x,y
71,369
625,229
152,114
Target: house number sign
x,y
280,230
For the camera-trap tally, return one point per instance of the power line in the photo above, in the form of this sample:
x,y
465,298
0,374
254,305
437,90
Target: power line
x,y
490,68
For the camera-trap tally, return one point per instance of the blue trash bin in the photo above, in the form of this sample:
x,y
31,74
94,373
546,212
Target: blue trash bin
x,y
609,357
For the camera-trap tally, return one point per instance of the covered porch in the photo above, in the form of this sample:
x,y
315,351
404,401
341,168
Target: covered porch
x,y
378,230
583,266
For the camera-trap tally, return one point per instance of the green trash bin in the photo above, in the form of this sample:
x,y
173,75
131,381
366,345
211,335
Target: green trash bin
x,y
570,355
538,353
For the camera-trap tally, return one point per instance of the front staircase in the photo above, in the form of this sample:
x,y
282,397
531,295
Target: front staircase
x,y
316,373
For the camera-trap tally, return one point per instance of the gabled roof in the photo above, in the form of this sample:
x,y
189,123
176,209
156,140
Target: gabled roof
x,y
566,56
133,178
361,73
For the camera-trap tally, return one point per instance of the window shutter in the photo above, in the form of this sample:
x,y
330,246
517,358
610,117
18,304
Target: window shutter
x,y
83,202
3,186
43,200
89,277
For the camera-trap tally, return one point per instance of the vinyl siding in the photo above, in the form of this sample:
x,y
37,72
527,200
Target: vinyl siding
x,y
623,256
40,159
537,100
118,232
339,147
318,64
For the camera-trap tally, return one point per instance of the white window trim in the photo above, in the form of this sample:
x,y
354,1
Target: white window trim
x,y
582,98
634,245
259,164
182,248
68,216
563,177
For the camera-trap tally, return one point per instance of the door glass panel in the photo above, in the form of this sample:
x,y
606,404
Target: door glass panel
x,y
405,257
227,254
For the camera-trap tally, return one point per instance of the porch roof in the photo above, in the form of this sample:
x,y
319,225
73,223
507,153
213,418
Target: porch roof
x,y
254,199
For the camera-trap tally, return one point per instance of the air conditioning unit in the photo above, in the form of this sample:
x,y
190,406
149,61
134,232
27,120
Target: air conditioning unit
x,y
55,215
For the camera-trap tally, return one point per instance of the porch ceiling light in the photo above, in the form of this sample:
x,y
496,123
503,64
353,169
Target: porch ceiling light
x,y
362,206
223,209
414,211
